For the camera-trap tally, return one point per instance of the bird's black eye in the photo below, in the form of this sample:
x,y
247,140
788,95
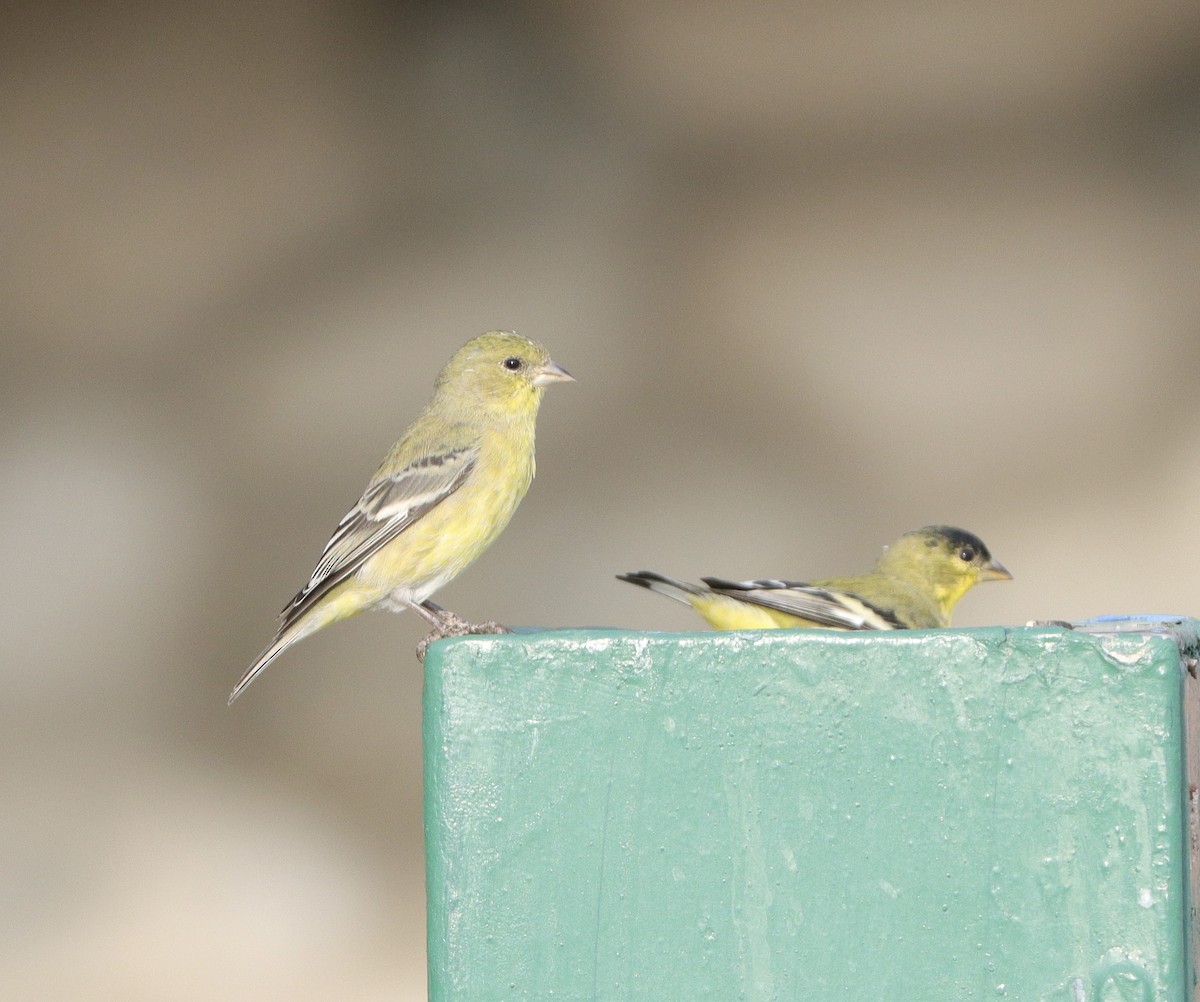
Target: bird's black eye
x,y
512,363
967,554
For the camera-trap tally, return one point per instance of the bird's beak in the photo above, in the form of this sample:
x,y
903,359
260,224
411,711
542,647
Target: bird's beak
x,y
552,372
993,570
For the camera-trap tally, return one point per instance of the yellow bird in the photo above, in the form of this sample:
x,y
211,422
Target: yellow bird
x,y
915,584
441,496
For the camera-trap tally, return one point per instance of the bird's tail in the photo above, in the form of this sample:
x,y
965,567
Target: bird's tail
x,y
342,601
680,591
272,651
283,640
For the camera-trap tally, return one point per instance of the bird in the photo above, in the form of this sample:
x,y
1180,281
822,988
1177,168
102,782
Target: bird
x,y
914,585
440,497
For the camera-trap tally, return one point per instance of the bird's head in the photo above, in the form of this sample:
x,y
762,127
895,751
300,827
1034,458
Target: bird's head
x,y
947,560
501,370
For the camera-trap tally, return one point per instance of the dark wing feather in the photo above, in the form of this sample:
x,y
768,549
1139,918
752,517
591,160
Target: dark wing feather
x,y
387,508
838,610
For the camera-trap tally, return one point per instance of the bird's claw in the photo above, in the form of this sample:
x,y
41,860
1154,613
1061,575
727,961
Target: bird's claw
x,y
456,626
491,626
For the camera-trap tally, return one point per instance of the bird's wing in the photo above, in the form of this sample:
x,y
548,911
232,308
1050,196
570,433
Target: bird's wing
x,y
839,610
388,506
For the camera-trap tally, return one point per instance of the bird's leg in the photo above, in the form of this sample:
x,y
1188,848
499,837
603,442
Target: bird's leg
x,y
452,623
448,624
428,612
456,626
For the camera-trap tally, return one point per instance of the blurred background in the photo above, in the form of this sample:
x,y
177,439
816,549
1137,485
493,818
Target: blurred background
x,y
824,272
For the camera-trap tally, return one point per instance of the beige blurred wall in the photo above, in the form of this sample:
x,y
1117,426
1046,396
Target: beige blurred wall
x,y
824,272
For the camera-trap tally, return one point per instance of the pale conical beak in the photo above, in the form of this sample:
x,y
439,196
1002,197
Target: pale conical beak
x,y
993,570
552,372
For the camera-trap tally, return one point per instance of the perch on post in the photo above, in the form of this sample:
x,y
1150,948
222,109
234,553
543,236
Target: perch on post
x,y
919,816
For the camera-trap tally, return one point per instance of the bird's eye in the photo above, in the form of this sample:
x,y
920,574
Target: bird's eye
x,y
512,363
967,554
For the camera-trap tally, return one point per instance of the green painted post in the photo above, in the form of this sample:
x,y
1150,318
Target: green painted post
x,y
784,815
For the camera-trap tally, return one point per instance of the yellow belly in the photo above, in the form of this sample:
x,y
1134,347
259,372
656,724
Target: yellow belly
x,y
726,613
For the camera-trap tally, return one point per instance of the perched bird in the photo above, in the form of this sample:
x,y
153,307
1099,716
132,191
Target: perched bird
x,y
915,584
441,496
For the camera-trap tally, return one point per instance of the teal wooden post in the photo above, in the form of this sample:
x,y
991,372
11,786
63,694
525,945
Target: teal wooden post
x,y
793,815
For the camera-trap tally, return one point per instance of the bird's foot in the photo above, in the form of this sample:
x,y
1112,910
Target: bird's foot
x,y
453,625
491,626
